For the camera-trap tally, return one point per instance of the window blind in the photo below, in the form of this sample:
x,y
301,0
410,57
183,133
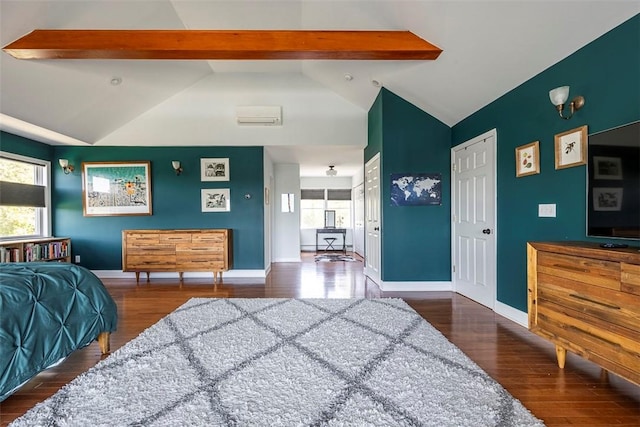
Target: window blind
x,y
15,194
338,194
312,194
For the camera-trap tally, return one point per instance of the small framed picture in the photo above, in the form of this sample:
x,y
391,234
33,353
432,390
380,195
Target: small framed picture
x,y
607,199
215,200
607,167
528,159
214,169
571,148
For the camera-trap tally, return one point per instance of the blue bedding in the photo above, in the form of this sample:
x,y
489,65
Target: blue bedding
x,y
47,310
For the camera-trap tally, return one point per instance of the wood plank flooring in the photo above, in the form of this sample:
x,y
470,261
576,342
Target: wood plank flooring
x,y
579,395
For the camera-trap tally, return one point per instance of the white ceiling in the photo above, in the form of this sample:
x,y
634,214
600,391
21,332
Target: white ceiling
x,y
489,47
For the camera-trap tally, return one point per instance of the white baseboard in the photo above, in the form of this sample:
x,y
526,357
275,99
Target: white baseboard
x,y
389,286
231,274
513,314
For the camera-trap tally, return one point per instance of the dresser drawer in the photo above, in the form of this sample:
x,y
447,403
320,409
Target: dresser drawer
x,y
617,308
151,263
578,330
589,271
154,250
212,238
630,276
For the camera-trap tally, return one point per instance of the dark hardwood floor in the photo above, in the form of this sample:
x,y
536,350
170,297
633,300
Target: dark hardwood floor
x,y
579,395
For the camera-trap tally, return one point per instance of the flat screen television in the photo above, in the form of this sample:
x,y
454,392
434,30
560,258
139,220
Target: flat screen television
x,y
613,183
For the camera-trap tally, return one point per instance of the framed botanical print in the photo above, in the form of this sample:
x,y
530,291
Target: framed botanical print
x,y
571,148
528,159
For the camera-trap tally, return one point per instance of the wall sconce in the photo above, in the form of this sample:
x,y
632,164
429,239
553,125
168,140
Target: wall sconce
x,y
176,166
66,167
560,95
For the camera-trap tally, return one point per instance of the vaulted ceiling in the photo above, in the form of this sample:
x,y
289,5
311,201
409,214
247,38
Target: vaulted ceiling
x,y
489,47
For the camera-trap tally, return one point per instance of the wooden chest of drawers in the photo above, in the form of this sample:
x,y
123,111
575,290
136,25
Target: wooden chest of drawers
x,y
177,251
586,299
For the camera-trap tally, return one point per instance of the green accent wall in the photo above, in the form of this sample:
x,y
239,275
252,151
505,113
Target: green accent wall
x,y
607,73
175,199
416,239
25,147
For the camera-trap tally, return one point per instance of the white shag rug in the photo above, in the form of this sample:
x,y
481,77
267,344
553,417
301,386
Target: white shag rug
x,y
285,362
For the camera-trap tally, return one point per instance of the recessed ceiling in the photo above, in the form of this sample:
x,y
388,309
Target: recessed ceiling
x,y
488,47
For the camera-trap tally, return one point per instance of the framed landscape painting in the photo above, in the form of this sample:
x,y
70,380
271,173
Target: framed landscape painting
x,y
116,188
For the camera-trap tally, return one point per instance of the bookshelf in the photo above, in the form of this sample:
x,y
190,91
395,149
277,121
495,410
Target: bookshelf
x,y
39,249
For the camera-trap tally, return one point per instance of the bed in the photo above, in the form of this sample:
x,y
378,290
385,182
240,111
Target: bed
x,y
47,311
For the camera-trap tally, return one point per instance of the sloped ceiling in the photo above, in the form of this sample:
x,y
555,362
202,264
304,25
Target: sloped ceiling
x,y
489,47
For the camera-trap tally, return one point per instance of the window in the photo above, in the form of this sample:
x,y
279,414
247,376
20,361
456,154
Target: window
x,y
313,203
24,192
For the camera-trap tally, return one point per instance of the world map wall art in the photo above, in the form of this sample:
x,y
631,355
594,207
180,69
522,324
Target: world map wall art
x,y
416,189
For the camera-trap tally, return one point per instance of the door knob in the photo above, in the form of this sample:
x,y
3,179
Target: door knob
x,y
486,231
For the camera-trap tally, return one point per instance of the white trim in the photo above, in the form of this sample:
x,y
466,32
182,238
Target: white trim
x,y
513,314
389,286
231,274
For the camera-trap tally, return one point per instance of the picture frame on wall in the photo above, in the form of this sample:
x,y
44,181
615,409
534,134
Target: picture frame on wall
x,y
215,200
116,188
571,148
214,169
528,159
607,167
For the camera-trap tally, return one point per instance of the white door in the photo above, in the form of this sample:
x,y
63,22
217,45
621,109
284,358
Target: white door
x,y
473,213
358,214
372,219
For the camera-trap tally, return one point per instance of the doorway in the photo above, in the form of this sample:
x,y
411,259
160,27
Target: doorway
x,y
372,219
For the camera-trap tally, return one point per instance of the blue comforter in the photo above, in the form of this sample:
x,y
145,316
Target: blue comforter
x,y
47,310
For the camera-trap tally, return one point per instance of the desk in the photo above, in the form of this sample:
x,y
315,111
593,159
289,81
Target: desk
x,y
342,231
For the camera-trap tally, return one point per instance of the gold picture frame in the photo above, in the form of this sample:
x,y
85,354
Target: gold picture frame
x,y
528,159
571,148
116,188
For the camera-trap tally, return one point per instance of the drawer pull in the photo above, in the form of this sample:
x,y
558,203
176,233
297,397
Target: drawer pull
x,y
594,302
570,267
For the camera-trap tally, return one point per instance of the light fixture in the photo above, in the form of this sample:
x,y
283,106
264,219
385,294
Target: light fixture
x,y
66,167
559,96
348,76
376,83
176,166
331,171
115,81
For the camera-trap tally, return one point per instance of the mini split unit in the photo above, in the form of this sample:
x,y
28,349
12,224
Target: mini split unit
x,y
259,115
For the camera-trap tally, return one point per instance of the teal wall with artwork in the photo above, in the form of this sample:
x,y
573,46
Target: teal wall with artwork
x,y
176,201
415,241
607,73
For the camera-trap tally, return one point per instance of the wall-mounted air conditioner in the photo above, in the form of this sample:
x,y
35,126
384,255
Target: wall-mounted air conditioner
x,y
259,115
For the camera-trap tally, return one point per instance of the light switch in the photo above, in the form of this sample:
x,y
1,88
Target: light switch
x,y
547,210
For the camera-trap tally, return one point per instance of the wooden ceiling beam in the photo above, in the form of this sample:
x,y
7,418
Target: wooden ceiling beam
x,y
220,44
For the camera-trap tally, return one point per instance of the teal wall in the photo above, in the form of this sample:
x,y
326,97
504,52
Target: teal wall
x,y
416,239
607,73
25,147
175,199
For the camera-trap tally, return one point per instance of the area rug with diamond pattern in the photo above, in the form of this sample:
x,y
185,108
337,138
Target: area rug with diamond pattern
x,y
285,362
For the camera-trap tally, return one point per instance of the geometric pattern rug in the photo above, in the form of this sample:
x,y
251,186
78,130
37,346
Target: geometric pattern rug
x,y
285,362
334,258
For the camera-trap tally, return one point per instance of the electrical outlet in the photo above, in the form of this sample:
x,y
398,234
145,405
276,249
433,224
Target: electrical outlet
x,y
547,210
77,259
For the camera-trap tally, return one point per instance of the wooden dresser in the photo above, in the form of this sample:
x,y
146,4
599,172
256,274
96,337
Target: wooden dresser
x,y
177,251
586,299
